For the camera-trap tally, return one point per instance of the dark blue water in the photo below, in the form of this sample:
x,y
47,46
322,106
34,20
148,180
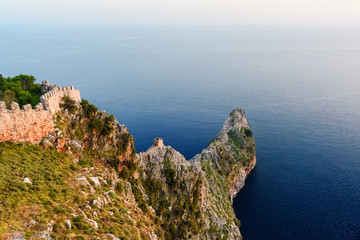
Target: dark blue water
x,y
299,86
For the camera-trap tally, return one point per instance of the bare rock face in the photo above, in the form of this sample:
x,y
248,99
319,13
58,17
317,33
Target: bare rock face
x,y
235,143
196,196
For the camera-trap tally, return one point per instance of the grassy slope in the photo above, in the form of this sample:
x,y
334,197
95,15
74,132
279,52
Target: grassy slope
x,y
48,170
54,195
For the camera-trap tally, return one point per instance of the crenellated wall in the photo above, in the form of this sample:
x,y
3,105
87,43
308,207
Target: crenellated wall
x,y
31,125
26,124
52,99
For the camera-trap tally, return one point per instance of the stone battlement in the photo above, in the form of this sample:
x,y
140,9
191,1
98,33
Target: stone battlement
x,y
15,107
26,124
51,99
31,125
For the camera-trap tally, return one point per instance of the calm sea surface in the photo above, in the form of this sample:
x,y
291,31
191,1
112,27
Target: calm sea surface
x,y
299,86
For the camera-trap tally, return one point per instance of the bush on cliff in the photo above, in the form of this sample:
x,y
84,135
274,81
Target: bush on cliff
x,y
68,103
101,125
248,133
89,109
21,89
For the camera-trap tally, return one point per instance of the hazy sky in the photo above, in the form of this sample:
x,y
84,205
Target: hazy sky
x,y
182,11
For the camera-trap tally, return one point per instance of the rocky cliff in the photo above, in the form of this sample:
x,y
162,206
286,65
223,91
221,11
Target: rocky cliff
x,y
193,198
84,181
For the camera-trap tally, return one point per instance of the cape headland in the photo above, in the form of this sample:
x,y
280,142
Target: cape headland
x,y
69,171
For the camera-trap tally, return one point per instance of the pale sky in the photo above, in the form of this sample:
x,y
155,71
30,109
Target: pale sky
x,y
181,11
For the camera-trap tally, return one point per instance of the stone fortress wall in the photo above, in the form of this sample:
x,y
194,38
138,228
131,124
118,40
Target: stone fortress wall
x,y
31,125
25,125
51,99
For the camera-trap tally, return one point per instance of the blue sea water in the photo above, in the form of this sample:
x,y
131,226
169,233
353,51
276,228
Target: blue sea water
x,y
299,86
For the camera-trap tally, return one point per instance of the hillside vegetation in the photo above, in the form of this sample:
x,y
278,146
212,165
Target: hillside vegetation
x,y
21,89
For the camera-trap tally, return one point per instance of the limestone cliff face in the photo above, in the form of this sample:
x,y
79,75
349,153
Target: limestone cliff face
x,y
232,152
74,132
193,199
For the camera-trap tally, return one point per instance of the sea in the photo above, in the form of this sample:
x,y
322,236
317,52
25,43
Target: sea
x,y
298,84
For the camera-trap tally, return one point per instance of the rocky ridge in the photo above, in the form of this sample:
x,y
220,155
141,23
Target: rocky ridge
x,y
198,194
87,182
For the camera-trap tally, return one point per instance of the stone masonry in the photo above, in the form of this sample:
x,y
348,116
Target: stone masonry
x,y
31,125
25,125
158,142
51,99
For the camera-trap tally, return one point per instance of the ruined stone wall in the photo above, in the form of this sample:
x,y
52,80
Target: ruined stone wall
x,y
52,99
25,125
31,125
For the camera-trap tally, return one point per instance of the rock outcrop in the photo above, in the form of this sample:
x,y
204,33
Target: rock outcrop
x,y
195,196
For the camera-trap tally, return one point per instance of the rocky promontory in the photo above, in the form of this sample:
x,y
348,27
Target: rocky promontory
x,y
198,194
85,181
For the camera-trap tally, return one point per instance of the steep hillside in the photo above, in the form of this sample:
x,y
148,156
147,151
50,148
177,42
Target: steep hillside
x,y
85,181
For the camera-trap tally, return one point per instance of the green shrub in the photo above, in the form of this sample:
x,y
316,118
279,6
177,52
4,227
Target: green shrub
x,y
248,132
89,109
163,205
79,223
109,119
119,187
102,126
123,210
108,122
21,89
68,103
72,167
85,160
125,173
24,98
79,237
139,196
237,222
170,175
60,209
194,227
96,124
123,143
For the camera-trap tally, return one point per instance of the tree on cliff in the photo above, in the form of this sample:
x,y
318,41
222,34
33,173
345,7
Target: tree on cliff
x,y
2,80
68,103
26,81
21,89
